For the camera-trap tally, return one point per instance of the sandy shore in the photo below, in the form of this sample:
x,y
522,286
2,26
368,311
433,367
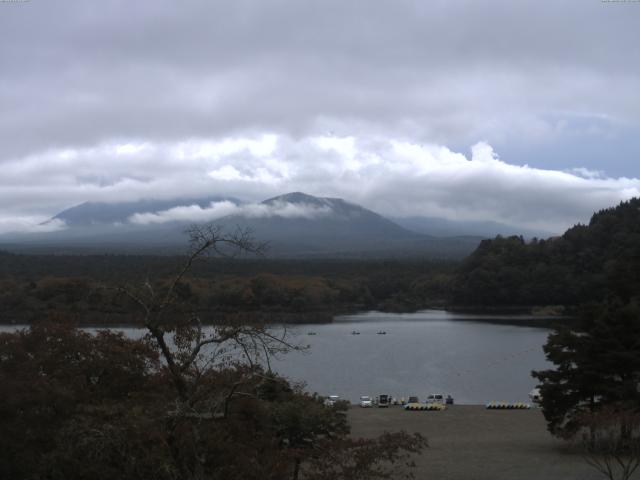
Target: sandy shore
x,y
471,443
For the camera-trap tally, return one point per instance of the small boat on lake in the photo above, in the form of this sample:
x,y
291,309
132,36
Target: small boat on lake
x,y
355,333
382,332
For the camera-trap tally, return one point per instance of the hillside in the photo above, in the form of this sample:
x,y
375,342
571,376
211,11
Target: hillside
x,y
587,263
340,228
99,213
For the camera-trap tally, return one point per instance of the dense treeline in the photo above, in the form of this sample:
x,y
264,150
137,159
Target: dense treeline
x,y
85,287
588,263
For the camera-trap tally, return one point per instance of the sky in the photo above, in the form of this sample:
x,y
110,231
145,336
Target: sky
x,y
526,113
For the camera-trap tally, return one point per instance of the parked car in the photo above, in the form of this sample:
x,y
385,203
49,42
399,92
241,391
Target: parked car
x,y
331,400
365,401
435,398
384,401
413,399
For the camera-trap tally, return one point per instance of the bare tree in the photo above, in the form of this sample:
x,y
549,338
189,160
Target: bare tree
x,y
195,354
187,347
611,442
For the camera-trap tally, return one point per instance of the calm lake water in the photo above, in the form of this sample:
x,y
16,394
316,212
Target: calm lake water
x,y
425,352
421,353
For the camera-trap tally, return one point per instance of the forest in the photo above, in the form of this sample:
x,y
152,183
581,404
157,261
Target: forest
x,y
588,263
86,287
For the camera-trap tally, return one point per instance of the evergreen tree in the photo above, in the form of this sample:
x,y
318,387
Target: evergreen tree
x,y
588,263
597,364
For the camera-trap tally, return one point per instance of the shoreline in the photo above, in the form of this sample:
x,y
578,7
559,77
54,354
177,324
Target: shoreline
x,y
494,316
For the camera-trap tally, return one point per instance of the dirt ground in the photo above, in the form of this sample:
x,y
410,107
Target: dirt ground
x,y
471,443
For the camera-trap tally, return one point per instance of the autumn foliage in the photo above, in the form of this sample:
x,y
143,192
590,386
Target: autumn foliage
x,y
75,405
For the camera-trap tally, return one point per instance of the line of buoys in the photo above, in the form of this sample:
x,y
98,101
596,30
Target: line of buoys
x,y
425,406
508,406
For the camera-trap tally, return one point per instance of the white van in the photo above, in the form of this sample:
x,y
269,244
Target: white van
x,y
436,398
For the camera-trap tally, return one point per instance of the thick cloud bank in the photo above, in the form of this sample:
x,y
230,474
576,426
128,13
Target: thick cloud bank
x,y
391,176
83,73
120,100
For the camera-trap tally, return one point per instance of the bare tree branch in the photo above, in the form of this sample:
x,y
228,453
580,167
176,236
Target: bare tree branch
x,y
162,309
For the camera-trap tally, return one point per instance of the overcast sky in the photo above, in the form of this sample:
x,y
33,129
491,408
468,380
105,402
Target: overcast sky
x,y
525,112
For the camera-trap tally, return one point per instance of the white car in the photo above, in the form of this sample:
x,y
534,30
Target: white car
x,y
365,401
331,400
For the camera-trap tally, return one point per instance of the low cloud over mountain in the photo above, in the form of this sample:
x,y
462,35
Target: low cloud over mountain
x,y
294,224
397,178
216,210
524,113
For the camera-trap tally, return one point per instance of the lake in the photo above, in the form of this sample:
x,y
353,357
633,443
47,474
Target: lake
x,y
425,352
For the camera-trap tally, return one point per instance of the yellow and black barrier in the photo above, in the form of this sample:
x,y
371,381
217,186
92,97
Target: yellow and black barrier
x,y
425,406
508,406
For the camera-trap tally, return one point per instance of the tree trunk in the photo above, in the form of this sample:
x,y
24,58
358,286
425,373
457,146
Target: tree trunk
x,y
296,469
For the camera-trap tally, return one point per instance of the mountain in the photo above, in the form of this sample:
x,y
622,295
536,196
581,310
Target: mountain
x,y
97,213
294,225
322,225
442,227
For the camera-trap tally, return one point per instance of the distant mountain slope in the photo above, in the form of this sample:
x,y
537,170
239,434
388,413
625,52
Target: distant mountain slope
x,y
336,227
336,218
98,213
294,225
587,263
442,227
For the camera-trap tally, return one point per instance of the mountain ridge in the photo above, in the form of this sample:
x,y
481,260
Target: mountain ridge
x,y
91,213
295,224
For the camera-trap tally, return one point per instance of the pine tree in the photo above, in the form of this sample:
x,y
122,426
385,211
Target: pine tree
x,y
597,364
